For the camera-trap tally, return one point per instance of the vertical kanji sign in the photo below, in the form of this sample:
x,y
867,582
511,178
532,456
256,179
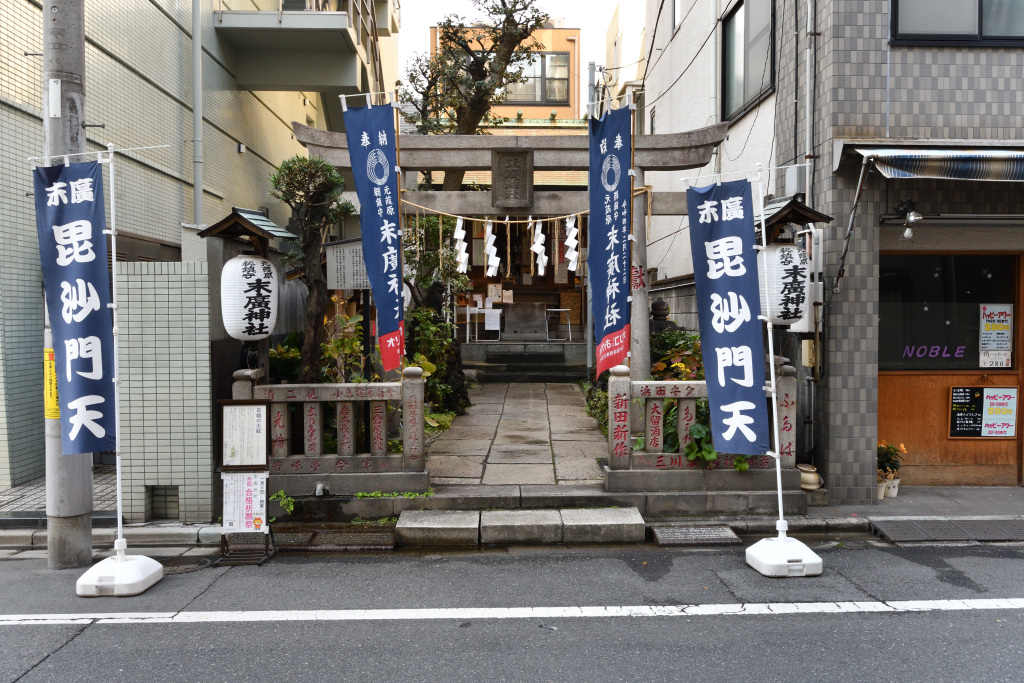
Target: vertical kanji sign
x,y
73,254
608,258
371,147
728,310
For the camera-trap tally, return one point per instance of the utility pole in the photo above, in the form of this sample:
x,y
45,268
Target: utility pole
x,y
68,477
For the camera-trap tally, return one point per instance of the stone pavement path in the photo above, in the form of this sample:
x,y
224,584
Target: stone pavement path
x,y
31,496
520,434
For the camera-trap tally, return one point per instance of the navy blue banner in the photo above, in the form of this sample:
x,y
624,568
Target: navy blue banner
x,y
371,146
608,255
728,307
73,253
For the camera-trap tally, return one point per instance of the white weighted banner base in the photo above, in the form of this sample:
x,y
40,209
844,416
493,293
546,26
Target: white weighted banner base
x,y
783,556
120,576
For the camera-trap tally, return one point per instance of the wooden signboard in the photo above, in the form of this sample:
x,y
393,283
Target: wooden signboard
x,y
246,429
983,412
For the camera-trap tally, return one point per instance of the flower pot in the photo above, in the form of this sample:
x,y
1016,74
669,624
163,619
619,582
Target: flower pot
x,y
809,480
891,487
881,490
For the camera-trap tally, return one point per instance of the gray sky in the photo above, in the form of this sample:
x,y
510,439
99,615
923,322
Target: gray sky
x,y
590,16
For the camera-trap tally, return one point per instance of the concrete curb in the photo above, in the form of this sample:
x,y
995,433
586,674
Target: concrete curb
x,y
136,536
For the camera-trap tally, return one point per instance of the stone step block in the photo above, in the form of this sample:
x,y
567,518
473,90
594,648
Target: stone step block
x,y
438,527
520,526
602,525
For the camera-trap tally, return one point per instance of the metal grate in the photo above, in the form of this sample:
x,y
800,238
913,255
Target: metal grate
x,y
908,530
694,535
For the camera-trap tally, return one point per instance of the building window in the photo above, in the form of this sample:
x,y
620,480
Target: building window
x,y
958,22
930,310
547,80
677,13
747,60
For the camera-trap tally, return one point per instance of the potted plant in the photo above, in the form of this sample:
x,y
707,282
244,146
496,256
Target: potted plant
x,y
890,458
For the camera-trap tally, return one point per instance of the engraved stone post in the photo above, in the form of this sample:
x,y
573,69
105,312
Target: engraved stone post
x,y
685,418
378,428
280,424
413,434
346,428
786,405
312,427
619,445
654,423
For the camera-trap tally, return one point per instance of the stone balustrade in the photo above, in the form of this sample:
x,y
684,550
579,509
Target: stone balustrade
x,y
301,467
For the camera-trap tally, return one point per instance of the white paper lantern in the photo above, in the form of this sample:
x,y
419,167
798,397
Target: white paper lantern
x,y
783,271
248,297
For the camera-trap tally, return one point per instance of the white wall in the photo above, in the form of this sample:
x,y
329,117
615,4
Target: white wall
x,y
693,102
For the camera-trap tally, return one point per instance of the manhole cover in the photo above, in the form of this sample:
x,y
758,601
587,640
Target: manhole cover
x,y
694,535
183,565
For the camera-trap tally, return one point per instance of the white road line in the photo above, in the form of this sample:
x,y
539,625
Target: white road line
x,y
465,613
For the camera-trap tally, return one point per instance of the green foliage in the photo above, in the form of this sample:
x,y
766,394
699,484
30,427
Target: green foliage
x,y
700,447
383,521
679,356
890,458
452,90
312,188
285,357
427,337
597,407
286,502
426,262
740,463
405,494
342,357
438,422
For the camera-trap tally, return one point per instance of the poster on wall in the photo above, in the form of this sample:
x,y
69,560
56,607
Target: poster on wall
x,y
983,412
995,343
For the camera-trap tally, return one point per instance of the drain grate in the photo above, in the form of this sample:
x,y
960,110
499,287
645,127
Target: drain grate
x,y
914,530
352,540
183,565
694,535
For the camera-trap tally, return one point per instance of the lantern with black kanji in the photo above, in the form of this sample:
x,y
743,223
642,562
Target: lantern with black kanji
x,y
784,271
248,297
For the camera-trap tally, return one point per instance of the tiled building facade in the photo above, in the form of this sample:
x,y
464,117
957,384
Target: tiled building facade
x,y
938,93
138,83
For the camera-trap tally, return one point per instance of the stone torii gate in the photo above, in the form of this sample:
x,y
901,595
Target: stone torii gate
x,y
667,152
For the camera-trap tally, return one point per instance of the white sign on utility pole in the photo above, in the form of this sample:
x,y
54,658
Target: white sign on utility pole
x,y
346,268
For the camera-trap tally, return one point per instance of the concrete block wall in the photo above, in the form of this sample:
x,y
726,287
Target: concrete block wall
x,y
166,404
139,83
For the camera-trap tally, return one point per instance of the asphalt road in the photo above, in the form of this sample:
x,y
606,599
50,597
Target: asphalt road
x,y
299,618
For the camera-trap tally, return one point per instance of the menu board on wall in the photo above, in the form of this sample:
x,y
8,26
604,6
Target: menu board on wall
x,y
983,412
995,343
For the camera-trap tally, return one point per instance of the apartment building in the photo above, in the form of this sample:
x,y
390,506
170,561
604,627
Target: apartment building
x,y
907,114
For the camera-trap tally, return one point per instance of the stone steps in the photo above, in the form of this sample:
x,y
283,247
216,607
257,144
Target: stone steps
x,y
475,498
505,527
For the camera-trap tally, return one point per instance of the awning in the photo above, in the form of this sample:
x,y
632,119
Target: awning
x,y
957,164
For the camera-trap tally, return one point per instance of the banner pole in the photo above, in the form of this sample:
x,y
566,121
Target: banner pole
x,y
117,372
766,316
781,555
